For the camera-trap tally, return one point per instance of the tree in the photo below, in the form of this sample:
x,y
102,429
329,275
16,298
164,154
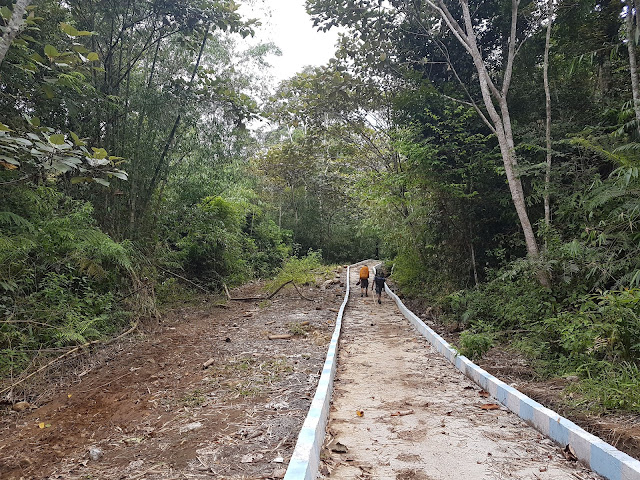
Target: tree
x,y
14,26
492,64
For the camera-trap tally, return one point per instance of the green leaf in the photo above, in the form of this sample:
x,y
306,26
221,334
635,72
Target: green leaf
x,y
99,153
92,56
4,128
57,139
71,161
75,180
76,139
101,181
5,12
51,52
120,175
80,49
84,33
36,57
48,91
68,29
61,167
35,121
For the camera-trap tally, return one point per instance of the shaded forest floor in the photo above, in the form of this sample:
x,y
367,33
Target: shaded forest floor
x,y
146,408
620,430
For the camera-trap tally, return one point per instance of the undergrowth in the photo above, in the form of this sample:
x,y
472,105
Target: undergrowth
x,y
307,270
63,282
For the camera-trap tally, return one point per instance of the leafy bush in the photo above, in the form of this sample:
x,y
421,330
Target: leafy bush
x,y
223,241
608,387
606,326
60,275
302,271
475,345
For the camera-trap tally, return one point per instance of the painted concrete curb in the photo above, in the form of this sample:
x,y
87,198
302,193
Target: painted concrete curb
x,y
601,457
305,459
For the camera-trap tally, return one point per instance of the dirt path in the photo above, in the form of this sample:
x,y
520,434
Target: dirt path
x,y
421,418
154,412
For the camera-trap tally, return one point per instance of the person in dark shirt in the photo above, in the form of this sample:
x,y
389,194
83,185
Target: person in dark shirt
x,y
378,283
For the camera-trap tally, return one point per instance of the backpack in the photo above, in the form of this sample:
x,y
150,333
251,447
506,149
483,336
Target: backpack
x,y
364,272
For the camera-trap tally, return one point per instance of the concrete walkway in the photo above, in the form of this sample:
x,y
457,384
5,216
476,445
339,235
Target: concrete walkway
x,y
401,411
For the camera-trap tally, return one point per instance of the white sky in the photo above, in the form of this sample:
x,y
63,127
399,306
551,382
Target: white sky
x,y
286,23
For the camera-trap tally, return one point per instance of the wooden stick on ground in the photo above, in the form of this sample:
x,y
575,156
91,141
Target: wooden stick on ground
x,y
285,336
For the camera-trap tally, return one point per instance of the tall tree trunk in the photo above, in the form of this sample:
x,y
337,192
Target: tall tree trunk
x,y
631,48
547,96
499,119
16,22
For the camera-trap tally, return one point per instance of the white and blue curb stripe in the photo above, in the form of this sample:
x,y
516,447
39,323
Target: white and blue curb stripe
x,y
305,459
601,457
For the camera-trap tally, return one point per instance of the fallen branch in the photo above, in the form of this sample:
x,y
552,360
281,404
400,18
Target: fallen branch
x,y
299,293
185,279
285,336
66,354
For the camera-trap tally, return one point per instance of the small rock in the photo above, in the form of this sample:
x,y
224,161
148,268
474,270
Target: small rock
x,y
278,460
21,406
228,340
277,405
95,453
248,458
190,426
135,465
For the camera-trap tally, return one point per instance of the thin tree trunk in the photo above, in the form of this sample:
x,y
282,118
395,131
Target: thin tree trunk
x,y
547,96
133,179
631,47
176,123
16,22
473,263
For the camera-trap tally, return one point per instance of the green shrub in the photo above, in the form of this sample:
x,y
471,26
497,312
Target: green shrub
x,y
304,270
60,275
475,345
608,387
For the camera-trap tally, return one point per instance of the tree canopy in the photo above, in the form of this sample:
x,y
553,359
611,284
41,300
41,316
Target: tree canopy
x,y
486,151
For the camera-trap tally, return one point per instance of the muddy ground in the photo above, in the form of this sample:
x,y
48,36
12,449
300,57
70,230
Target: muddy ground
x,y
620,430
146,408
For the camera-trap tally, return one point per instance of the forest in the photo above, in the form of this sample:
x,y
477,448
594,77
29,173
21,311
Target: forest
x,y
487,152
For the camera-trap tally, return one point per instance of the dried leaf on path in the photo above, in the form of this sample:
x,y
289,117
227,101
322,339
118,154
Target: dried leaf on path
x,y
490,406
339,448
360,413
569,453
483,394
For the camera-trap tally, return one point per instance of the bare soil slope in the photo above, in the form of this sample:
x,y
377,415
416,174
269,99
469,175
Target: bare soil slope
x,y
149,410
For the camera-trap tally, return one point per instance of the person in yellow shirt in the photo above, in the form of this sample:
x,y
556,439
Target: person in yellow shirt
x,y
364,281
